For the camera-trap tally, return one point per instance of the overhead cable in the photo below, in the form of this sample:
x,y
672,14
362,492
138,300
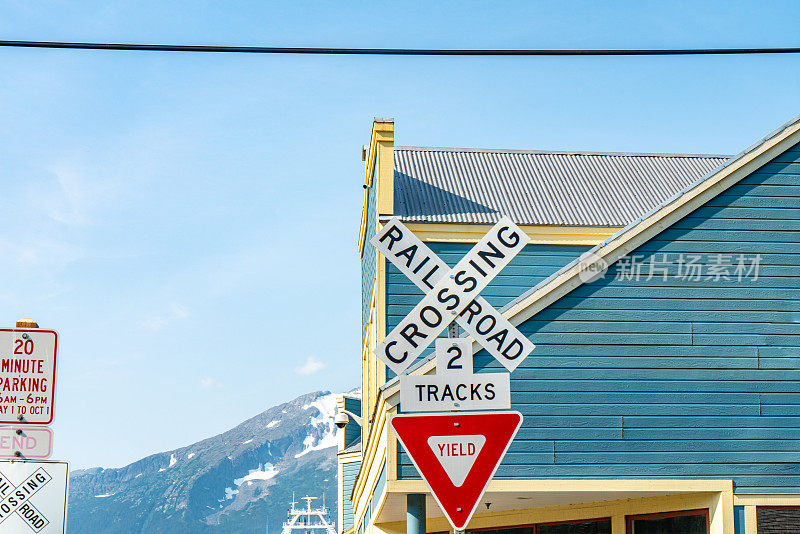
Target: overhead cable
x,y
398,51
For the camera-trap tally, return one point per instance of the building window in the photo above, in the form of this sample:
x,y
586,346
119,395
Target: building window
x,y
584,526
595,526
686,522
778,519
512,530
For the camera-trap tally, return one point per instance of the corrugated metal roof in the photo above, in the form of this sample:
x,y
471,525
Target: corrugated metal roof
x,y
540,188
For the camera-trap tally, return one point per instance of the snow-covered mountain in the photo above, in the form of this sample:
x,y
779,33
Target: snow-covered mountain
x,y
235,482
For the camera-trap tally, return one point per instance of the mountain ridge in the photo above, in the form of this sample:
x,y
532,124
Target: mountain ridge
x,y
236,481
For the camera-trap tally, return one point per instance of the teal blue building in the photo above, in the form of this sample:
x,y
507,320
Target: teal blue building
x,y
662,292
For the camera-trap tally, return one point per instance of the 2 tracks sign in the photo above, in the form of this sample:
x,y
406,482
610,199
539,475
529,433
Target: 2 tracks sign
x,y
454,386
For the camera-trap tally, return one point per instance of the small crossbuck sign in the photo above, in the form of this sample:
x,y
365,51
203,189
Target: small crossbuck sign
x,y
452,294
457,455
33,497
19,502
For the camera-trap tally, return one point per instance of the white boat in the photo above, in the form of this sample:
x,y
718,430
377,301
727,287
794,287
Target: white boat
x,y
308,520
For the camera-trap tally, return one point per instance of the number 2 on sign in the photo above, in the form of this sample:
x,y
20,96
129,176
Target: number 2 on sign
x,y
454,356
23,346
456,351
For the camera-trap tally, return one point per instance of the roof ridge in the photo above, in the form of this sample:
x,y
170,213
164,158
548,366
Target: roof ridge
x,y
561,152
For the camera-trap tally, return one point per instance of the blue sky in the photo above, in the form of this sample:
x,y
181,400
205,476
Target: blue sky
x,y
188,222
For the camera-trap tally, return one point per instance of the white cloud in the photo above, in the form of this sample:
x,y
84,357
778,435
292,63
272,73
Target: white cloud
x,y
38,256
157,322
68,203
207,382
311,366
75,196
211,383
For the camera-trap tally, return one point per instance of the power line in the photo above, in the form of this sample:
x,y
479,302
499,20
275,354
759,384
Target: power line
x,y
398,51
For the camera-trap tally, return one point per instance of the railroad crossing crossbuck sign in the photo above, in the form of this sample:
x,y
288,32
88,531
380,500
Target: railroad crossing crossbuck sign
x,y
32,494
452,294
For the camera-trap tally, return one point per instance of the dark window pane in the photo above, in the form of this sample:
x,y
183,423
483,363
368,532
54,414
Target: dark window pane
x,y
685,524
518,530
778,520
588,527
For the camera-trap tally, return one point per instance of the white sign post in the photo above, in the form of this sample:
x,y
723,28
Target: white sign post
x,y
33,497
27,375
452,294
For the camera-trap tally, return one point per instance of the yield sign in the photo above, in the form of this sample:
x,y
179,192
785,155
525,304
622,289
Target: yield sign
x,y
457,455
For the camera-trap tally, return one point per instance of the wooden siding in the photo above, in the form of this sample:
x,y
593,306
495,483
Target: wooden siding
x,y
349,473
674,378
368,262
531,266
352,431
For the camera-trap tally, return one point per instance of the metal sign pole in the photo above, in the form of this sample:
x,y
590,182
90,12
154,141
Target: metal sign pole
x,y
415,513
452,330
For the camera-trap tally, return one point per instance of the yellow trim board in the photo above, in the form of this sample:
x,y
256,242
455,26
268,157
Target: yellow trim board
x,y
391,448
369,453
380,318
750,520
766,500
572,485
384,170
382,130
539,235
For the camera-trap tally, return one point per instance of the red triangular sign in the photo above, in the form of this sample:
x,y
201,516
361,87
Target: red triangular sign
x,y
457,455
